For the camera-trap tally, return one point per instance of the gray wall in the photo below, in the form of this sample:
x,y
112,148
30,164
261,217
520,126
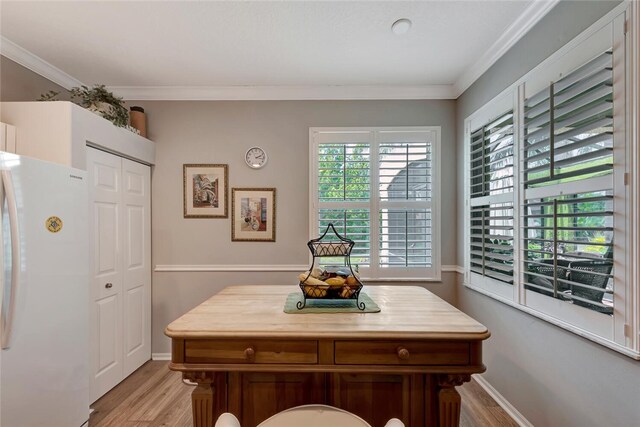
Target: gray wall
x,y
20,84
553,377
221,132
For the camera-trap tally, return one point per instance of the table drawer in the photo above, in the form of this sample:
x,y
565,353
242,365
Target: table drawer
x,y
401,353
251,351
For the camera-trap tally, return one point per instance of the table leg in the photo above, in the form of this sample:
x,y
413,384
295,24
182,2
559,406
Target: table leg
x,y
449,400
202,403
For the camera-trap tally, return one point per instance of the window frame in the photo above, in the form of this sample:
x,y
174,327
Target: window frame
x,y
376,136
504,102
619,331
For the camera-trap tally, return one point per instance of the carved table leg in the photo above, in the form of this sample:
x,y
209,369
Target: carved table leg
x,y
202,403
449,400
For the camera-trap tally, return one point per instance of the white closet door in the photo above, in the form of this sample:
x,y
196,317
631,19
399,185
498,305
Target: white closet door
x,y
136,208
105,223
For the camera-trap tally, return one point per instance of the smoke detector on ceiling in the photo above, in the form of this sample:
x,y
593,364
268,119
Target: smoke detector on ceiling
x,y
401,26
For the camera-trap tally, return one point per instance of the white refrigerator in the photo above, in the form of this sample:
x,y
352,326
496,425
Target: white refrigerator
x,y
44,361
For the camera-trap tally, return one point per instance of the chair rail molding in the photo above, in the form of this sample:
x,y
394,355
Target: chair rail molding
x,y
167,268
272,268
452,269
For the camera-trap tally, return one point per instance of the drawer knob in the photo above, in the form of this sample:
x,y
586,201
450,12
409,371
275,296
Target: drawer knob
x,y
403,353
249,353
109,285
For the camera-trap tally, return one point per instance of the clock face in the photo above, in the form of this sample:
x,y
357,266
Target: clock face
x,y
255,157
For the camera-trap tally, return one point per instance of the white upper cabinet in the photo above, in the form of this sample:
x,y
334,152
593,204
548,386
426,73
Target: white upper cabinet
x,y
60,131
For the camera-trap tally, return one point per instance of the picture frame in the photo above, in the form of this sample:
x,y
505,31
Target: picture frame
x,y
253,215
206,189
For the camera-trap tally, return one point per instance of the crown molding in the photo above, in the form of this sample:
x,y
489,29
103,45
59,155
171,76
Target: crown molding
x,y
514,32
36,64
245,93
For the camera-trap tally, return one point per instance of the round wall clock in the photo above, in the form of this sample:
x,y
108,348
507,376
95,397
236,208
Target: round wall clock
x,y
255,157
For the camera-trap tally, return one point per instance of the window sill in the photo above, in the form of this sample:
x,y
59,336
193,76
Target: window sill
x,y
564,325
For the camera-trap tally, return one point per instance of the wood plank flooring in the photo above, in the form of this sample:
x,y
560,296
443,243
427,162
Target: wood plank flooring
x,y
153,396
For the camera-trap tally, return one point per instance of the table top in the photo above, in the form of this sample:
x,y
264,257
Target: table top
x,y
256,311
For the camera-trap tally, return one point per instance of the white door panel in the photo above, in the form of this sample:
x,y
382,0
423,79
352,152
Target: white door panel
x,y
107,266
107,338
136,202
106,217
105,174
135,315
135,178
135,218
108,314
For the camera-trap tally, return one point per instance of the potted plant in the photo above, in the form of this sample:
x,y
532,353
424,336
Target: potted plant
x,y
97,99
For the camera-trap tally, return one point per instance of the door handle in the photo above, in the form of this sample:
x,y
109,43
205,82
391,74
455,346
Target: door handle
x,y
8,314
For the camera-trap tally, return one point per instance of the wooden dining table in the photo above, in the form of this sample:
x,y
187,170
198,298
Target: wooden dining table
x,y
246,356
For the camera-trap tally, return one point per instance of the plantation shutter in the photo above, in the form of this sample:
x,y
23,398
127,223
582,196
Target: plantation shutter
x,y
353,224
343,172
568,207
569,126
492,158
568,248
405,238
491,186
491,246
344,183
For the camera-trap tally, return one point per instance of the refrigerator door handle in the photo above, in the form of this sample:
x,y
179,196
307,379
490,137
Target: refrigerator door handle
x,y
8,316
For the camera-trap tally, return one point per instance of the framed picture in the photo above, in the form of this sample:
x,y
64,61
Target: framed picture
x,y
205,191
253,215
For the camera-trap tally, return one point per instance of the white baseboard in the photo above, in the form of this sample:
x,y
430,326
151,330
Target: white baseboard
x,y
161,356
504,403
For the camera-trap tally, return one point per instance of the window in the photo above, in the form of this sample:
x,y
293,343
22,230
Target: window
x,y
491,242
546,189
379,187
568,249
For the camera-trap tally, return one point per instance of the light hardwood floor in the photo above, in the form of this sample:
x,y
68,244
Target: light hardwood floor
x,y
154,396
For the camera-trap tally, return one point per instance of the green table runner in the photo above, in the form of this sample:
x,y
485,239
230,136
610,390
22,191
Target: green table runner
x,y
329,305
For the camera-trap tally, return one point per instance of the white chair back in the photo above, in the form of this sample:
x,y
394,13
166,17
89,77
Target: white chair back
x,y
314,416
308,416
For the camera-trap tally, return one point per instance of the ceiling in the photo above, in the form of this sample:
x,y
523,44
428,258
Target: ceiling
x,y
149,50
